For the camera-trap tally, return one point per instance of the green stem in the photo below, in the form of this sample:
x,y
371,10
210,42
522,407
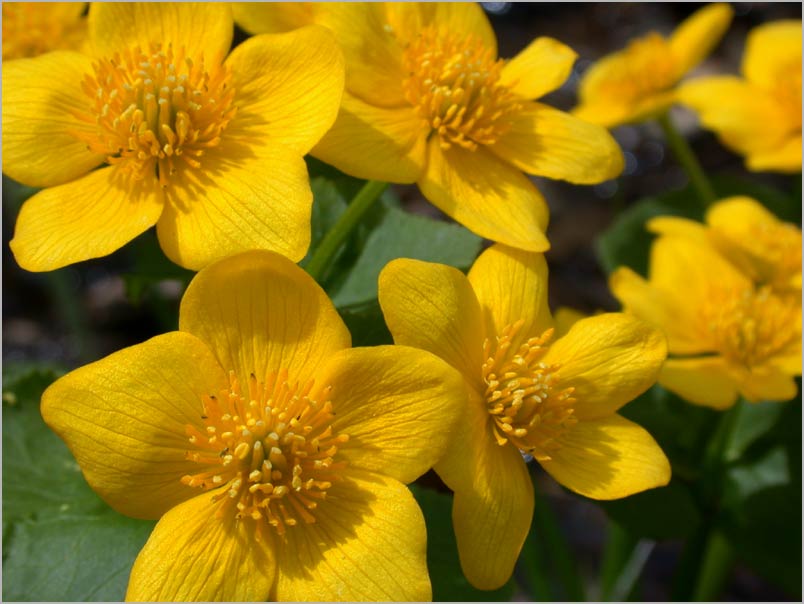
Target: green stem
x,y
546,525
686,157
534,566
335,238
715,567
619,545
707,557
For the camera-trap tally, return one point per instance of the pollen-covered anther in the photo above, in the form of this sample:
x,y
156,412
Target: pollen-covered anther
x,y
529,409
453,81
156,111
271,451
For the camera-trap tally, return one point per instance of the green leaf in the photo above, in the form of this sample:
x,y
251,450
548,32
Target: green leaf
x,y
765,531
60,540
73,558
403,235
744,480
446,576
40,476
755,420
328,205
761,511
366,324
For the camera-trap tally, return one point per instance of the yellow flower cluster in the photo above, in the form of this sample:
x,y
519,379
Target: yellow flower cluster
x,y
275,456
728,296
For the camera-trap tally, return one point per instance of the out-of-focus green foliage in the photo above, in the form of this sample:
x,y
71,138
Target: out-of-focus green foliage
x,y
60,541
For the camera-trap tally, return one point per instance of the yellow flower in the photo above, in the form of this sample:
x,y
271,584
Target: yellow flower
x,y
273,454
32,28
209,150
526,392
758,115
638,82
744,231
428,101
726,335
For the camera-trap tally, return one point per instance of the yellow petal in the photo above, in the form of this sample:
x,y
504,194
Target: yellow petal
x,y
124,419
675,225
746,118
608,113
372,50
609,360
486,195
629,85
202,29
769,384
658,308
272,17
242,198
288,88
547,142
540,68
704,381
493,504
86,218
397,404
41,97
433,307
695,38
564,318
511,286
468,18
608,458
786,158
684,269
368,544
259,312
193,556
375,143
768,47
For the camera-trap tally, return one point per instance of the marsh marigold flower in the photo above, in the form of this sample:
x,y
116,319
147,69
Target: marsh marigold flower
x,y
527,392
765,248
429,101
273,454
759,114
639,82
728,335
32,28
209,150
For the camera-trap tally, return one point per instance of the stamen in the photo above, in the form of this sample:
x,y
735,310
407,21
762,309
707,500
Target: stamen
x,y
453,81
155,112
264,468
751,326
522,396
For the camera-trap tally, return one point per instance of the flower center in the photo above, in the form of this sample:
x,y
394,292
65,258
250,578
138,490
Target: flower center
x,y
646,67
269,452
523,397
157,112
752,326
453,82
